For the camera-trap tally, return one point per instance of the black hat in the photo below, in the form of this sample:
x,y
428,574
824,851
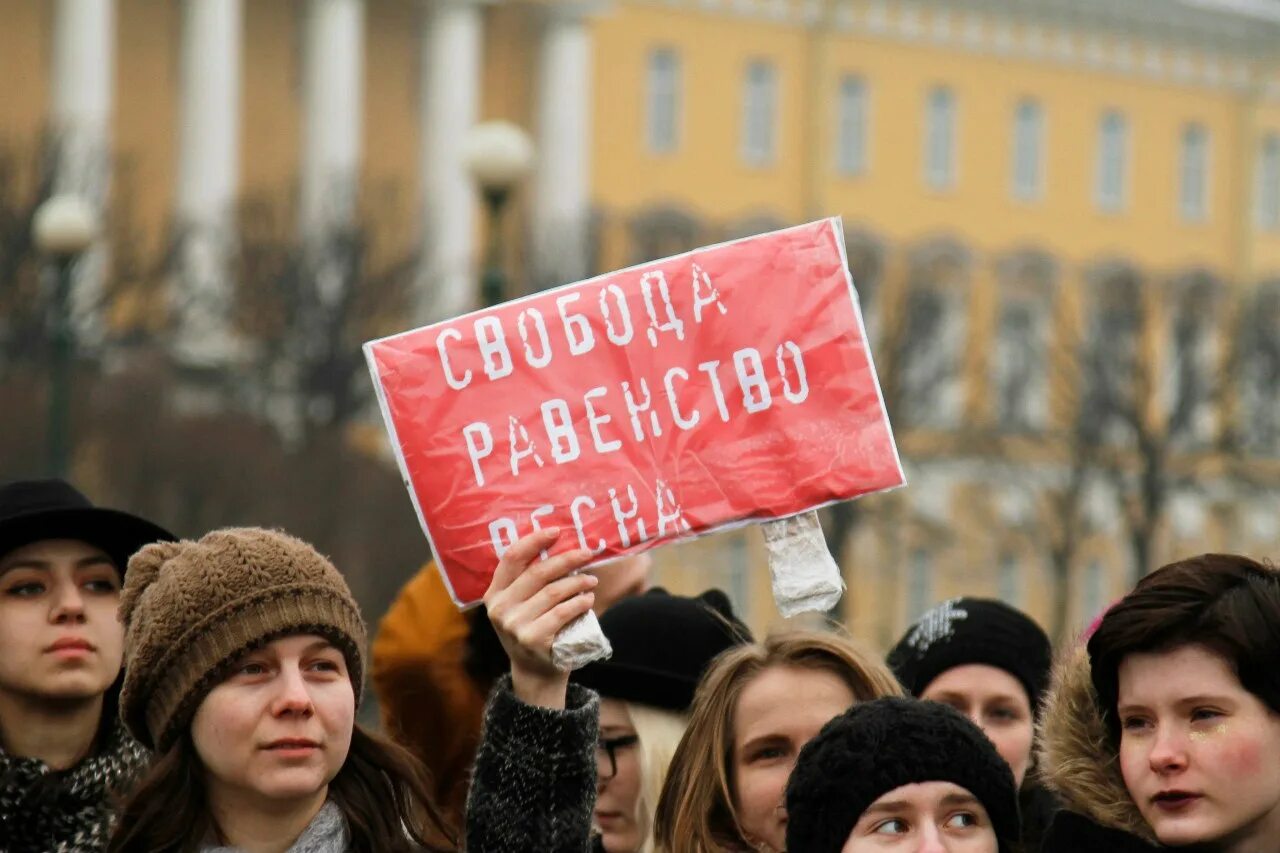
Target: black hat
x,y
878,746
662,644
973,630
32,510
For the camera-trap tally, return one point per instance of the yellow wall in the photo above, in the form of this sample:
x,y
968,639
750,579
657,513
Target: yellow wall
x,y
706,174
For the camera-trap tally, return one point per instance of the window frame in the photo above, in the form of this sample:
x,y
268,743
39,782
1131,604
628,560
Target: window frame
x,y
760,113
654,108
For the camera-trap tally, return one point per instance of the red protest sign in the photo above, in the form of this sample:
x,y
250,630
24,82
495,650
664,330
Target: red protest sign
x,y
727,384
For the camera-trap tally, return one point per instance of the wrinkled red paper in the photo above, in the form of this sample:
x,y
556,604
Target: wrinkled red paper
x,y
732,432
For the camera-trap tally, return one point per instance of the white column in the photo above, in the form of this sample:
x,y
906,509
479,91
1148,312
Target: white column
x,y
332,96
561,191
83,77
451,70
208,177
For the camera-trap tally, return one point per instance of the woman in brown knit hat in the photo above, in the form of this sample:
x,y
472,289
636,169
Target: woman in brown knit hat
x,y
244,660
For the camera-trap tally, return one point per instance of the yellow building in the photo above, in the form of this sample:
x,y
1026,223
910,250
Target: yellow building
x,y
1017,178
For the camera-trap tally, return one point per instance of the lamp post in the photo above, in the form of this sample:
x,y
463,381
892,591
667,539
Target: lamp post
x,y
498,154
64,226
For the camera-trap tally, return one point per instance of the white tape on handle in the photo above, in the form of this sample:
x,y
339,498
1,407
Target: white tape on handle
x,y
805,576
579,643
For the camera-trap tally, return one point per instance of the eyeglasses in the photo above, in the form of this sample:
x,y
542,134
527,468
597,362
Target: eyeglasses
x,y
607,748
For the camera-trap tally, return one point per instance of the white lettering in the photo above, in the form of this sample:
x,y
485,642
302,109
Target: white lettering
x,y
673,323
752,380
502,533
493,348
620,338
583,500
454,383
700,278
797,359
470,433
559,425
540,326
582,340
681,420
674,516
622,517
595,421
709,368
635,409
516,453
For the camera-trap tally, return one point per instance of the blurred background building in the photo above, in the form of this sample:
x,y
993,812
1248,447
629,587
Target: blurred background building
x,y
1063,220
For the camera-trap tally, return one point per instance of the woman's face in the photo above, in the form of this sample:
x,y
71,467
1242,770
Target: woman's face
x,y
1200,754
59,635
618,794
279,726
777,713
997,704
927,817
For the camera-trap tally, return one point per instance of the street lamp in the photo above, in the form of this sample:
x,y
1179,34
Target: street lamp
x,y
498,154
64,227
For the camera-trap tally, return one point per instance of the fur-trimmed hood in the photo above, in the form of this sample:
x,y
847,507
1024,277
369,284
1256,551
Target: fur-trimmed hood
x,y
1076,759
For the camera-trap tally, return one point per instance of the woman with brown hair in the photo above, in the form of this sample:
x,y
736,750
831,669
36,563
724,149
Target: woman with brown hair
x,y
244,663
1182,677
755,709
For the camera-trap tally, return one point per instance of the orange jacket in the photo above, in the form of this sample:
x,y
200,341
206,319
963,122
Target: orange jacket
x,y
429,702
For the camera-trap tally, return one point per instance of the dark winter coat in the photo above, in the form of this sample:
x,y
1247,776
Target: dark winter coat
x,y
70,811
533,787
1079,763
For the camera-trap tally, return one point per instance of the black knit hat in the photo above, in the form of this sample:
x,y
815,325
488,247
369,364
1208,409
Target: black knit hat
x,y
878,746
973,630
662,644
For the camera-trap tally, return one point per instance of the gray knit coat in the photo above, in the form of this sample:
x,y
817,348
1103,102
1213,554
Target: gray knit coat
x,y
533,786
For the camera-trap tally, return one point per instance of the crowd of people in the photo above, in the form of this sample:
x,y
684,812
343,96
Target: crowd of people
x,y
159,694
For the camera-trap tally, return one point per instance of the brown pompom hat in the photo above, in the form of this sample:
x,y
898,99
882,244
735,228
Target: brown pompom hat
x,y
191,609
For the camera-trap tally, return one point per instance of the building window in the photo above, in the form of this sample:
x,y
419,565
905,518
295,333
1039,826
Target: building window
x,y
1009,581
1112,355
1028,150
851,127
759,113
1189,381
662,117
1260,371
1113,143
1019,366
919,584
1194,169
1269,183
940,139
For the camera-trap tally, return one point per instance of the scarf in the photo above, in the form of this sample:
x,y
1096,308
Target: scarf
x,y
327,833
68,811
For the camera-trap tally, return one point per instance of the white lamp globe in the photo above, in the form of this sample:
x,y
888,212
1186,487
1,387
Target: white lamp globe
x,y
498,154
64,225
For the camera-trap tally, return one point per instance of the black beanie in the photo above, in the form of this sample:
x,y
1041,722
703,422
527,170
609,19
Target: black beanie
x,y
878,746
662,644
973,630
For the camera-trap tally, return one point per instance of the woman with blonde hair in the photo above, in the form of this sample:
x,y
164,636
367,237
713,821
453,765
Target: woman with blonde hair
x,y
756,708
661,646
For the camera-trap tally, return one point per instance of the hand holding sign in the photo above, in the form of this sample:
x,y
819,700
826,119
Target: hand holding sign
x,y
728,385
529,604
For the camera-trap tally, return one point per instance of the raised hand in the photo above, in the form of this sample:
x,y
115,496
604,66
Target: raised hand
x,y
529,603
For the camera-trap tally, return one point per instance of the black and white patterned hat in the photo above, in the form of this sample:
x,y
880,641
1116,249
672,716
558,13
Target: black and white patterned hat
x,y
973,630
